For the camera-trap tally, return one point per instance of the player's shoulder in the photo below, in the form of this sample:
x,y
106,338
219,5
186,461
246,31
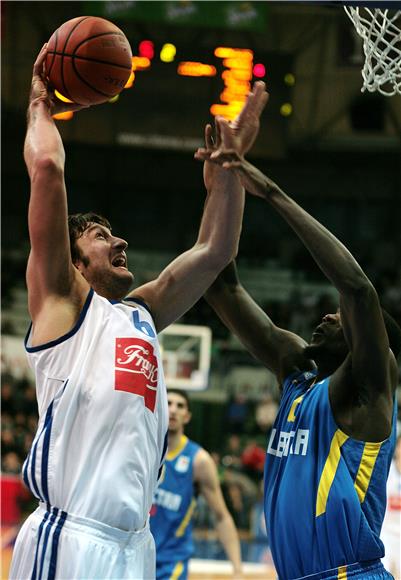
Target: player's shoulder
x,y
203,463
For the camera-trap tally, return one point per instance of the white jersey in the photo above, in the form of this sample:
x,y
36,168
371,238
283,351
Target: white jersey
x,y
103,416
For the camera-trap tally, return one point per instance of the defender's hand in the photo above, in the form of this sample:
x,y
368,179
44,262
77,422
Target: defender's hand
x,y
252,179
210,169
245,127
239,134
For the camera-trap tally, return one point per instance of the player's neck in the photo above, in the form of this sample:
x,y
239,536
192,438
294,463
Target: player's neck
x,y
174,439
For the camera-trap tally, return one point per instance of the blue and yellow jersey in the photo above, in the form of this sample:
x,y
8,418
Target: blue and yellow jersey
x,y
174,504
325,493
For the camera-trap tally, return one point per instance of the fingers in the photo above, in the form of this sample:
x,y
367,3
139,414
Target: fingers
x,y
40,59
202,154
217,122
231,164
219,157
208,137
261,96
225,155
256,100
226,137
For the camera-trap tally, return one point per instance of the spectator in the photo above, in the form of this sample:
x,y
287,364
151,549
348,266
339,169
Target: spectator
x,y
237,413
232,456
391,530
265,414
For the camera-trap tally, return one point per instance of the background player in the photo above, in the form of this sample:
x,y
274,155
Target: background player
x,y
102,403
189,470
391,531
331,446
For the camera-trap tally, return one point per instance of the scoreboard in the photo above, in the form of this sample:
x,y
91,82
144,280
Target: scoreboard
x,y
175,89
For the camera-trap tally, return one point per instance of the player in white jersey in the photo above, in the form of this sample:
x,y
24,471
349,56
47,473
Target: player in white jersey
x,y
93,346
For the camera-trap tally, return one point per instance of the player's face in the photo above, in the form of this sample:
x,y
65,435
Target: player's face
x,y
179,414
328,337
103,262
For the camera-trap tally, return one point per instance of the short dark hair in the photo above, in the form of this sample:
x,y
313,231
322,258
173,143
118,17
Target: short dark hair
x,y
393,333
183,394
77,224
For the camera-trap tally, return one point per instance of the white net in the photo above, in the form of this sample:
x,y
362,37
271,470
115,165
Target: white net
x,y
381,34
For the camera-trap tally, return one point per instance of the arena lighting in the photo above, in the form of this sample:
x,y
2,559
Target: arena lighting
x,y
286,109
196,69
130,80
237,77
238,72
64,116
236,63
140,63
62,97
229,111
146,48
233,83
168,52
259,70
229,97
241,91
289,79
226,52
68,114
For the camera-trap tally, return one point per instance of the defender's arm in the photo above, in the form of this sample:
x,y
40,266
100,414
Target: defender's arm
x,y
371,362
279,350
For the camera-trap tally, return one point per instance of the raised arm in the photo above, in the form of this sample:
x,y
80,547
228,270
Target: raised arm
x,y
205,475
279,350
50,274
370,366
185,280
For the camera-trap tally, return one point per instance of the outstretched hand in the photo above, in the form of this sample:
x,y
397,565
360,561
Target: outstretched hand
x,y
40,90
239,134
209,169
251,178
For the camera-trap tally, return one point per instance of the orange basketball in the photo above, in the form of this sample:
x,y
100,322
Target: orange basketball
x,y
88,60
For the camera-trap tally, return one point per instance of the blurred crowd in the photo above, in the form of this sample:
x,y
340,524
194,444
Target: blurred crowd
x,y
248,418
304,311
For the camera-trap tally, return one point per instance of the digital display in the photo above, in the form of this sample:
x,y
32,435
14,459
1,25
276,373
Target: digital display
x,y
175,90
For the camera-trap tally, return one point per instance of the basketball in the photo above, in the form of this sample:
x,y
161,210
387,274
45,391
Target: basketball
x,y
88,60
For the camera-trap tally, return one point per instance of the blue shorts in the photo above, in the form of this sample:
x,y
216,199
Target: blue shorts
x,y
372,570
167,570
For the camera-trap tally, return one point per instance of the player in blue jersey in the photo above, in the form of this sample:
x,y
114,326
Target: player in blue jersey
x,y
330,450
188,471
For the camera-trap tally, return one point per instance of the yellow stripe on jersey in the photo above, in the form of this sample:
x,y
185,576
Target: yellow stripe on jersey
x,y
342,573
291,415
329,471
187,518
174,452
368,460
178,568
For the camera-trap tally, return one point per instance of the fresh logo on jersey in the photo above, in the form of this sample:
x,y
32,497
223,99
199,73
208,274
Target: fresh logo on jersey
x,y
136,369
182,464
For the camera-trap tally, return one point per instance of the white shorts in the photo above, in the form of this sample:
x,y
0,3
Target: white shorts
x,y
54,545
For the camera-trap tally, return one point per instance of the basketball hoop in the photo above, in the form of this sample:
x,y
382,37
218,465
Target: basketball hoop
x,y
381,34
